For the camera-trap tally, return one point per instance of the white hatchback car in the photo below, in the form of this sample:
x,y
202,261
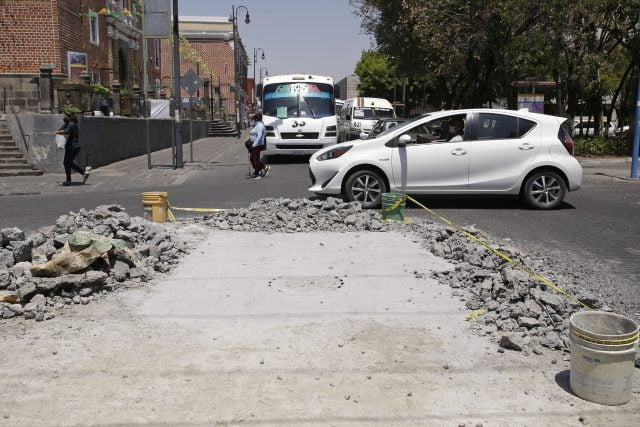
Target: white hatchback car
x,y
497,152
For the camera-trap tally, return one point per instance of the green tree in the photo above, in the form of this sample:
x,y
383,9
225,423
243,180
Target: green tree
x,y
376,76
468,52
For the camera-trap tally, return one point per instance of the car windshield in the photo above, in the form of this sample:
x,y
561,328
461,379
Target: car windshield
x,y
367,113
403,125
297,99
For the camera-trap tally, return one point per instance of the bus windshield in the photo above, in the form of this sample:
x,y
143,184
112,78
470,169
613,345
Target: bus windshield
x,y
371,113
298,100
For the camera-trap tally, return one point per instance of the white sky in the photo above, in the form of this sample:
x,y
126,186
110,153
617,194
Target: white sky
x,y
320,37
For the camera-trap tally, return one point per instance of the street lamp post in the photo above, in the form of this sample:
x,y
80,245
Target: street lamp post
x,y
234,19
266,73
255,59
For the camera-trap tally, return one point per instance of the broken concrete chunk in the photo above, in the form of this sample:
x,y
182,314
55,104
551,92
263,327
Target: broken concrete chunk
x,y
10,234
512,342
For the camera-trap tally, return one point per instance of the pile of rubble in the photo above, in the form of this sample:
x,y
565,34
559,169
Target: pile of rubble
x,y
508,304
150,248
298,215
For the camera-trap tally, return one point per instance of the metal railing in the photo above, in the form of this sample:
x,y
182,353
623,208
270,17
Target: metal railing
x,y
4,100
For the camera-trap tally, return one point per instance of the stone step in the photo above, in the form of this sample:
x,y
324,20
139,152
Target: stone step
x,y
13,161
11,166
20,172
10,155
4,143
12,149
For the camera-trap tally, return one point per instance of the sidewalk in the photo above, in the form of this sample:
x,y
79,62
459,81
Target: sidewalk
x,y
130,173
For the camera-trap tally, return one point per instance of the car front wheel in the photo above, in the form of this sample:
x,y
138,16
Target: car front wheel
x,y
365,187
544,190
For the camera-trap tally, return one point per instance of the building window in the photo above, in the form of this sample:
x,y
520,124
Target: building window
x,y
95,76
94,31
156,53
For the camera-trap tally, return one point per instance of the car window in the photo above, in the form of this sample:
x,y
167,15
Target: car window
x,y
499,126
402,126
436,130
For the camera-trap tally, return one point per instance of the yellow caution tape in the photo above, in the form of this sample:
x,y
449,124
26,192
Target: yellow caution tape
x,y
197,209
172,218
396,205
500,254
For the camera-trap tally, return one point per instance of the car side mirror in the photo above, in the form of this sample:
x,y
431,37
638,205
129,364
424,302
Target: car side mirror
x,y
364,135
403,140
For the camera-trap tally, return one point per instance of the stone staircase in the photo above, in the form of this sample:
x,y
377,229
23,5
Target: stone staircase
x,y
12,163
220,128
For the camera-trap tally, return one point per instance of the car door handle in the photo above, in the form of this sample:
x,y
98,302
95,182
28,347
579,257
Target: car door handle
x,y
525,147
459,152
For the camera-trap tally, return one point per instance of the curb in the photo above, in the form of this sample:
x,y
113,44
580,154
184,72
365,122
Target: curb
x,y
594,161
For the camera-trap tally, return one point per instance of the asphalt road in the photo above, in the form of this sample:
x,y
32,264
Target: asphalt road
x,y
597,223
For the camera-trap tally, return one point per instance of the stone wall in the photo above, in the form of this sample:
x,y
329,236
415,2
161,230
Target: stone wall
x,y
104,140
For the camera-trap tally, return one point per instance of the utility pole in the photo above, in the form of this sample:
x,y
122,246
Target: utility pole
x,y
636,132
636,137
255,59
177,97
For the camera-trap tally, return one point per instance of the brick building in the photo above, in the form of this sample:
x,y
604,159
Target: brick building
x,y
212,38
100,37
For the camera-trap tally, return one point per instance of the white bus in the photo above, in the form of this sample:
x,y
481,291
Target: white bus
x,y
299,113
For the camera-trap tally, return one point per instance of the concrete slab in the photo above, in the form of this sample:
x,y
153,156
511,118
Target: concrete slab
x,y
319,329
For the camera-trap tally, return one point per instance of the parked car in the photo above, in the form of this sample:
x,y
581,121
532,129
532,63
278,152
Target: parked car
x,y
587,128
382,125
497,152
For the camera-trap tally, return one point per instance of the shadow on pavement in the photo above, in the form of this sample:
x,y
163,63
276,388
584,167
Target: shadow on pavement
x,y
286,159
474,202
562,379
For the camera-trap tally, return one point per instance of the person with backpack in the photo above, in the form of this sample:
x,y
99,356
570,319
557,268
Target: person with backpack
x,y
258,139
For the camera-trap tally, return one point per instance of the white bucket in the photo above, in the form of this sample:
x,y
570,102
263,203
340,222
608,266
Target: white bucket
x,y
603,349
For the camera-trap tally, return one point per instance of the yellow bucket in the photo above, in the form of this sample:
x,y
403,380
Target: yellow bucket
x,y
155,205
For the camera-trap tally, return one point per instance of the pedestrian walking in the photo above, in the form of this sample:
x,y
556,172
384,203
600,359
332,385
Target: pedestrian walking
x,y
71,148
258,138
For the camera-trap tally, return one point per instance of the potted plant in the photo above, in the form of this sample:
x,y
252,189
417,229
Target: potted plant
x,y
101,92
72,92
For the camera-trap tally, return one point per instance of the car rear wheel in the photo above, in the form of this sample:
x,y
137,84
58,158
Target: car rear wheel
x,y
544,190
366,187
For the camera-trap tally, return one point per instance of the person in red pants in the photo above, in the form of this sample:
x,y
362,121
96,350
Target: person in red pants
x,y
258,138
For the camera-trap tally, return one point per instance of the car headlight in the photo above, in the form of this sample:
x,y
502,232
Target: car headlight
x,y
334,153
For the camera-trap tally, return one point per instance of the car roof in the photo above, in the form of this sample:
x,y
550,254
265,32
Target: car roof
x,y
519,113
